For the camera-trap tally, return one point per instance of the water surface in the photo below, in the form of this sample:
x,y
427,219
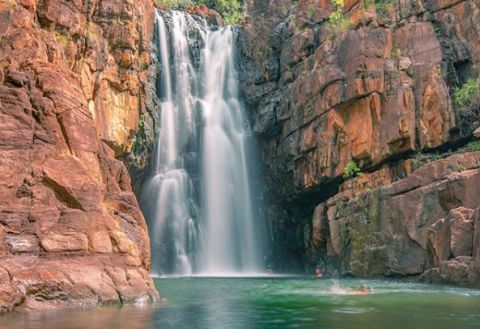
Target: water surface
x,y
278,303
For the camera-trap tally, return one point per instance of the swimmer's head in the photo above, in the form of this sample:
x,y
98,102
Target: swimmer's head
x,y
364,288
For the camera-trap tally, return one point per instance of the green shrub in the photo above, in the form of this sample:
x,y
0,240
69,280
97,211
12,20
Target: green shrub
x,y
467,92
411,72
337,20
436,156
368,4
471,147
62,40
337,14
466,99
174,4
351,171
91,34
232,11
382,5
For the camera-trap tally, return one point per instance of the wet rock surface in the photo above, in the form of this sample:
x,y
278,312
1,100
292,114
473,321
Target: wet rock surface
x,y
72,77
418,225
378,92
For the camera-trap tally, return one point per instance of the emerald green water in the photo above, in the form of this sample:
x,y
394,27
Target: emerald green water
x,y
278,303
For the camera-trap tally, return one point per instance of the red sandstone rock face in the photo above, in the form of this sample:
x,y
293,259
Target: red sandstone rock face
x,y
71,232
420,225
377,93
366,94
212,17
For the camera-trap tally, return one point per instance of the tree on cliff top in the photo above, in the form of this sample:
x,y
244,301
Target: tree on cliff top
x,y
232,11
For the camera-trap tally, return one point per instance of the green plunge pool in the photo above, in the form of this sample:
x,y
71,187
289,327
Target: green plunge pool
x,y
277,303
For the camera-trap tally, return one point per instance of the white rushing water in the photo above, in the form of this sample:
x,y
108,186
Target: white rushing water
x,y
198,199
230,241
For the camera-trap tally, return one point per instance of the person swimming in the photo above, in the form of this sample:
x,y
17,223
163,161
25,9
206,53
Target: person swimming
x,y
336,289
362,290
318,273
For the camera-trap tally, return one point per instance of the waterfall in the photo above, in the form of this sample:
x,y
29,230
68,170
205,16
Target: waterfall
x,y
198,198
230,241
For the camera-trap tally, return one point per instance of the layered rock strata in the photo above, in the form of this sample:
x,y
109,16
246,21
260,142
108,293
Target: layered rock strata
x,y
426,224
377,88
72,78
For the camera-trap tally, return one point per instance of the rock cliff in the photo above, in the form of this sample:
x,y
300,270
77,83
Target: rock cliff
x,y
72,93
75,94
376,88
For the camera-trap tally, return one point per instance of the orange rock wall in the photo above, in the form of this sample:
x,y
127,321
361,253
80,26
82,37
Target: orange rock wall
x,y
71,94
379,92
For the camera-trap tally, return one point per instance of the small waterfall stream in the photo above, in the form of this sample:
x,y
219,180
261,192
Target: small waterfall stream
x,y
198,198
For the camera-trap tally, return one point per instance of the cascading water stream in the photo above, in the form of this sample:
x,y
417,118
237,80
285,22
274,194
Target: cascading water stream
x,y
167,195
230,241
198,199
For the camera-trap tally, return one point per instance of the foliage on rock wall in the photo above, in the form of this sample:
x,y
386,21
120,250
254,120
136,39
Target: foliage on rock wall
x,y
232,11
382,5
351,170
467,100
337,20
467,93
473,146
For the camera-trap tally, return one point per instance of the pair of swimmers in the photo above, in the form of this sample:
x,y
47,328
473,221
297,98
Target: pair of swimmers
x,y
360,290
